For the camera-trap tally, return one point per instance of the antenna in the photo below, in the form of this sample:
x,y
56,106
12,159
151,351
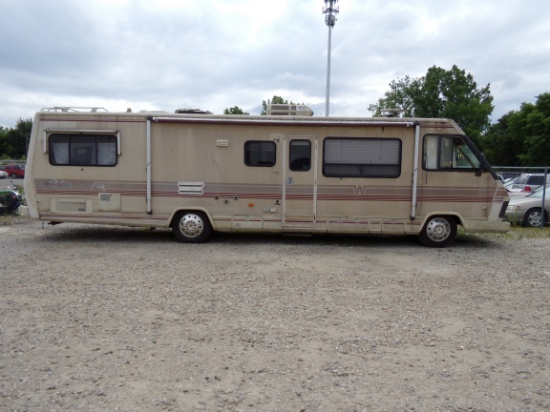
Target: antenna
x,y
330,12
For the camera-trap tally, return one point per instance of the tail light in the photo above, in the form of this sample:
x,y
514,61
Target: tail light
x,y
527,188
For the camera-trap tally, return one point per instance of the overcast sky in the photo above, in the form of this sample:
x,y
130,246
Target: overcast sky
x,y
215,54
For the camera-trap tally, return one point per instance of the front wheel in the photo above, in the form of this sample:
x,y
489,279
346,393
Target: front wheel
x,y
439,231
191,227
533,218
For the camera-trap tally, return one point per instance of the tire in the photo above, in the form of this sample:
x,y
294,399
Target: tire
x,y
439,231
13,176
191,227
533,217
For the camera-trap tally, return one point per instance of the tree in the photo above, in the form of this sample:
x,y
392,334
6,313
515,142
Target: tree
x,y
235,110
441,93
499,146
3,142
13,141
521,138
534,122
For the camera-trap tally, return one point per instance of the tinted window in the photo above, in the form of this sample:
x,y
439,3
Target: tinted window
x,y
536,180
347,157
82,150
299,155
259,153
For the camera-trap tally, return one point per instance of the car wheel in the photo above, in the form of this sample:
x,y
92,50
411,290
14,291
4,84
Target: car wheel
x,y
13,176
533,218
191,227
439,231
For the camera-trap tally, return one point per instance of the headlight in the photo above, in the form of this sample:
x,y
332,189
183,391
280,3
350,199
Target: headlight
x,y
513,208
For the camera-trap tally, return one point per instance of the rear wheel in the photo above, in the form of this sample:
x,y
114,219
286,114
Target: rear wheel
x,y
439,231
191,227
533,217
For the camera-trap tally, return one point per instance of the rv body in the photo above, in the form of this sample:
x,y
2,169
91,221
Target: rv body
x,y
199,173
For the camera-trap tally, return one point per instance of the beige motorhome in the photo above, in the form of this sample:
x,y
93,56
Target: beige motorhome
x,y
199,173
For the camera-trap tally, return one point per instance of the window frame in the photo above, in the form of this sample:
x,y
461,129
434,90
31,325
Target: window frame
x,y
304,168
367,170
102,149
438,164
248,153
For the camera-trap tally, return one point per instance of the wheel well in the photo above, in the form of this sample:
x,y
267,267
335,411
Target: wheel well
x,y
176,212
451,216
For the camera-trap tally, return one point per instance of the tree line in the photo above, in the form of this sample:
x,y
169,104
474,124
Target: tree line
x,y
14,141
519,138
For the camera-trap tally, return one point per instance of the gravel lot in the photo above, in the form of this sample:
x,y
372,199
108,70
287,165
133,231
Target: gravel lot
x,y
121,319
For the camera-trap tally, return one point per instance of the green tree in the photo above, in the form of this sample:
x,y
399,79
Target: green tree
x,y
3,142
13,141
441,93
536,128
521,138
499,146
234,110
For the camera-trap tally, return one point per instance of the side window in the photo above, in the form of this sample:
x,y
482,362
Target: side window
x,y
299,155
348,157
82,150
448,153
259,153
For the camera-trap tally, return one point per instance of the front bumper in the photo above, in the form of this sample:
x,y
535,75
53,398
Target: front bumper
x,y
474,226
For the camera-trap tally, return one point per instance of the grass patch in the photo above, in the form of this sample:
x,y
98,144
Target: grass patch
x,y
519,233
7,220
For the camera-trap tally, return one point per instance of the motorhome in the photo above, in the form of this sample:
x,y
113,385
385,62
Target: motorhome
x,y
199,173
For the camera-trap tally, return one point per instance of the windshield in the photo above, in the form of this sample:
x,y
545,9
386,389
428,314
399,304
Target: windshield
x,y
538,193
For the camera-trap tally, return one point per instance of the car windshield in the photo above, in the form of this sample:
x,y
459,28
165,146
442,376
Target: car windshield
x,y
538,193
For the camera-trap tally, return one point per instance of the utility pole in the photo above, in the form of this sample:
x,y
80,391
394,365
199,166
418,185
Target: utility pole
x,y
330,19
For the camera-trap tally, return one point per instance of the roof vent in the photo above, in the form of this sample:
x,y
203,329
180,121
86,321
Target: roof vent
x,y
288,110
392,112
193,111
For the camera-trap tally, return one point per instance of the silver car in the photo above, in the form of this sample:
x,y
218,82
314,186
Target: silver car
x,y
527,211
528,182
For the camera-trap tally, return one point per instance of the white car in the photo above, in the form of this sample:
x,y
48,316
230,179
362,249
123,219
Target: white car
x,y
527,210
527,183
3,175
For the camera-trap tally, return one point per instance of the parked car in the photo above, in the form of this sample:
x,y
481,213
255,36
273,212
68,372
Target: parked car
x,y
527,210
10,200
14,171
528,182
504,176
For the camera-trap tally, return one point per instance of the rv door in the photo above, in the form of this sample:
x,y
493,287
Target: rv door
x,y
299,182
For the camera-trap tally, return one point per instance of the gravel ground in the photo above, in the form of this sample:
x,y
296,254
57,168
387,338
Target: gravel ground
x,y
121,319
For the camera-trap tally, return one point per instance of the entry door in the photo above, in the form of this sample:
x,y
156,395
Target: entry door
x,y
299,182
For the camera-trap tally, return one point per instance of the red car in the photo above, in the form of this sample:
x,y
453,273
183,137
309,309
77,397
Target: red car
x,y
14,171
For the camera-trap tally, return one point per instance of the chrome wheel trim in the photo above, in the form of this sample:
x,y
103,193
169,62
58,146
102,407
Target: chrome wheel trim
x,y
191,225
438,229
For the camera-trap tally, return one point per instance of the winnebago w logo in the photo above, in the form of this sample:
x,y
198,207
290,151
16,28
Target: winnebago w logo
x,y
360,189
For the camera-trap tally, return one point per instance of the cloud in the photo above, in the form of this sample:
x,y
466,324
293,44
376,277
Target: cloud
x,y
214,54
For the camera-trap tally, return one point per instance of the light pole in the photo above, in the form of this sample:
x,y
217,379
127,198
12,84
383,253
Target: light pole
x,y
330,19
